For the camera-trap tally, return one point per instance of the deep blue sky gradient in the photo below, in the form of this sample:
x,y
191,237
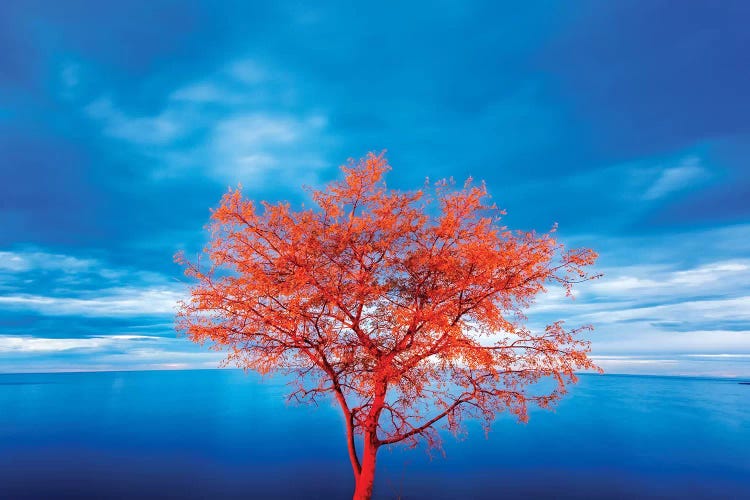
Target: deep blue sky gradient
x,y
625,122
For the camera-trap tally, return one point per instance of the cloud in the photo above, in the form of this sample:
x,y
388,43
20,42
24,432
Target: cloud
x,y
19,262
701,365
252,146
79,294
158,130
647,339
631,360
29,344
670,180
241,124
619,197
697,270
737,309
24,353
108,302
710,273
650,312
53,284
27,274
687,301
661,280
733,356
684,249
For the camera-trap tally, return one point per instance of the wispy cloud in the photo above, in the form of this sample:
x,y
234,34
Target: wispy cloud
x,y
737,309
108,302
664,283
683,305
241,124
18,262
632,360
646,315
254,146
30,344
673,179
157,130
720,356
615,196
707,365
24,353
643,338
53,284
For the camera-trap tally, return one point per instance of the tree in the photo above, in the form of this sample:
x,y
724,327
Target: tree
x,y
405,307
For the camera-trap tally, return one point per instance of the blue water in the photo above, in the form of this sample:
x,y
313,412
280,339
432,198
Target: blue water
x,y
223,434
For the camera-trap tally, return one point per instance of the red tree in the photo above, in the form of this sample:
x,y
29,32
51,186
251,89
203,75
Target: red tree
x,y
406,307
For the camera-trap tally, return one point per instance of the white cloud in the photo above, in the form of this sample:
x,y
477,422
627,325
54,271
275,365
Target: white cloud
x,y
663,280
17,262
119,301
249,146
667,252
706,365
73,286
28,344
27,270
688,173
722,356
737,309
22,353
687,299
160,129
710,273
631,360
241,124
642,338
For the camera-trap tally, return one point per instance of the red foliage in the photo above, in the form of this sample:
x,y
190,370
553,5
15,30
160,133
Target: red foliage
x,y
407,307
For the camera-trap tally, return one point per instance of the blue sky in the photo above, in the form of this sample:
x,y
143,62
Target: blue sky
x,y
122,123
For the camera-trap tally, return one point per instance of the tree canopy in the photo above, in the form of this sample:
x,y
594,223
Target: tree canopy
x,y
407,307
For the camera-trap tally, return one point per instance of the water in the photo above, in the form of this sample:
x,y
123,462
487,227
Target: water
x,y
223,434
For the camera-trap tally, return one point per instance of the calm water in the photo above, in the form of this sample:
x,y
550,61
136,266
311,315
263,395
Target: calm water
x,y
222,434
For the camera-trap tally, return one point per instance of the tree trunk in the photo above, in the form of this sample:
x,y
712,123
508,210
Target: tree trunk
x,y
366,479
